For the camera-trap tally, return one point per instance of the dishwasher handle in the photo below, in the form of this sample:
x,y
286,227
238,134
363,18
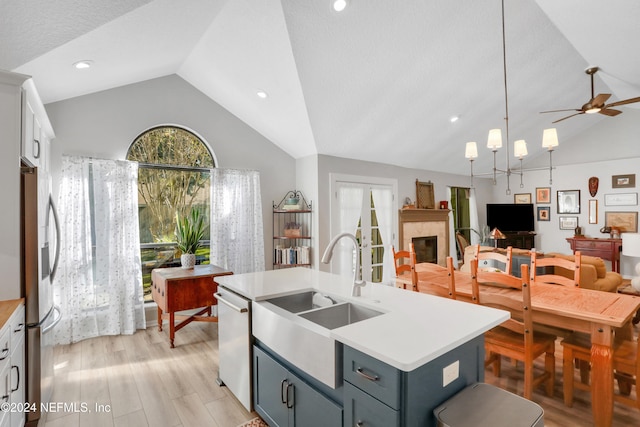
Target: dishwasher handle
x,y
227,303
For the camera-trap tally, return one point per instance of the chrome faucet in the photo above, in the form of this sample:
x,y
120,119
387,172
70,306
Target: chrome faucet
x,y
328,253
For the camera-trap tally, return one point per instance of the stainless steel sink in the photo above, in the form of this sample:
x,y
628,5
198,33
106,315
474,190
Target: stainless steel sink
x,y
303,301
340,315
298,328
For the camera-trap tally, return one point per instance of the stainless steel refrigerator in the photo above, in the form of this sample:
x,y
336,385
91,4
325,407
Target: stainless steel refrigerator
x,y
38,227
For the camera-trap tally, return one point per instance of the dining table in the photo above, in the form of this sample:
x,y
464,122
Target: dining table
x,y
606,316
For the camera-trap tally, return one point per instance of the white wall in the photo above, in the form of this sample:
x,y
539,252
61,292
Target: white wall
x,y
575,177
406,187
104,124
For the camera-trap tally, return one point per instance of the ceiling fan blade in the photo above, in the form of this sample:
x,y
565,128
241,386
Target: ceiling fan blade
x,y
558,111
626,101
609,112
600,99
564,118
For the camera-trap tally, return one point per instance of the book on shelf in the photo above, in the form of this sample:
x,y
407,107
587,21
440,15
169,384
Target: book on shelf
x,y
291,255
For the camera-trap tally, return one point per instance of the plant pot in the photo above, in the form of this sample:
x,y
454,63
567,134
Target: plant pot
x,y
188,261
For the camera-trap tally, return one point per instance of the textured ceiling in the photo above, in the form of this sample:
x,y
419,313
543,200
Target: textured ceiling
x,y
376,82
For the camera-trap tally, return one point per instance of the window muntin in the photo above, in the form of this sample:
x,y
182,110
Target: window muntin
x,y
173,177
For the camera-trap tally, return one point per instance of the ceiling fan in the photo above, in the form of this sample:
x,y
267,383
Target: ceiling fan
x,y
597,103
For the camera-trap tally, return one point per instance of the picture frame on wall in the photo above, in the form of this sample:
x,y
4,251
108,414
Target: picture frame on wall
x,y
522,198
568,222
626,222
544,213
425,198
543,195
623,181
593,211
568,201
621,199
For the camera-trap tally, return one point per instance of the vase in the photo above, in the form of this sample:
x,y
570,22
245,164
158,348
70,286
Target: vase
x,y
188,260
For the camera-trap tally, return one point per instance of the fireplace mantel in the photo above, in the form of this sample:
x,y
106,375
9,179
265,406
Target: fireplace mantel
x,y
425,222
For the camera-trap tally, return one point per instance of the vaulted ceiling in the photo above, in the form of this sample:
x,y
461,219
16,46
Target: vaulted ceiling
x,y
378,81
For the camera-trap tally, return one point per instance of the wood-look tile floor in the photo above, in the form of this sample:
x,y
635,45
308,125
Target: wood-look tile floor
x,y
145,383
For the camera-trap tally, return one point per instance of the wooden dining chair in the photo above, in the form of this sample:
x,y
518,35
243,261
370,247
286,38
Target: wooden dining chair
x,y
431,269
403,262
504,259
553,262
462,243
515,338
626,367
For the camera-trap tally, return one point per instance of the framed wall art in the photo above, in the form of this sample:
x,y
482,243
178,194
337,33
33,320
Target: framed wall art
x,y
623,181
568,222
544,213
569,202
425,198
627,222
543,195
621,199
593,211
522,198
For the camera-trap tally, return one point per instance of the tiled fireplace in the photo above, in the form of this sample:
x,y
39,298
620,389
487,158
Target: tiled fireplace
x,y
424,225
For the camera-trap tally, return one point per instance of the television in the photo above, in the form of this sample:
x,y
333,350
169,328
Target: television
x,y
509,217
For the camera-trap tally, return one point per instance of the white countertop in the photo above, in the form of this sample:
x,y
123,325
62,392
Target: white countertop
x,y
414,329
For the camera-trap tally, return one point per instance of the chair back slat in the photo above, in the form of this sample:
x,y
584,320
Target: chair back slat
x,y
435,272
505,258
557,279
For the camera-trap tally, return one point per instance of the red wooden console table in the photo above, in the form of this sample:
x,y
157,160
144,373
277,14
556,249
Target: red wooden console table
x,y
178,289
608,249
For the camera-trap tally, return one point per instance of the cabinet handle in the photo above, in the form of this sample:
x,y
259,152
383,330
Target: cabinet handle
x,y
359,423
36,149
361,372
20,327
18,382
5,353
282,399
289,404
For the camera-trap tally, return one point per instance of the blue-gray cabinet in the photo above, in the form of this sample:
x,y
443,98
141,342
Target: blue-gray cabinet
x,y
377,394
282,398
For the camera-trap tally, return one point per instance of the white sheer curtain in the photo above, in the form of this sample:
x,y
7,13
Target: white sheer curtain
x,y
383,202
237,238
453,245
350,208
99,281
473,217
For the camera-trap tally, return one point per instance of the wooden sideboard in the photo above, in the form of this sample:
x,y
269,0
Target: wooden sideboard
x,y
177,289
608,249
518,240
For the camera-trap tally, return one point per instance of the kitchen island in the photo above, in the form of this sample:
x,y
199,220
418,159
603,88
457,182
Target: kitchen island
x,y
408,355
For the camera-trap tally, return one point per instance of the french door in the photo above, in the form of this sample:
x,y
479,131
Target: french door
x,y
364,207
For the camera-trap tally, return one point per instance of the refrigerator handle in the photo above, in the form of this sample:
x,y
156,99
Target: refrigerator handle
x,y
56,320
52,206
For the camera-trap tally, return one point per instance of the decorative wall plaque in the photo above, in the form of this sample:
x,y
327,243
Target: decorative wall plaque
x,y
593,186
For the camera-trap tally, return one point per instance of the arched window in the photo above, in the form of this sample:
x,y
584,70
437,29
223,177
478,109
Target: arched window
x,y
173,177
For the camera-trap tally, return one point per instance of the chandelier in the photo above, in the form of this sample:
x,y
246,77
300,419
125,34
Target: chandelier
x,y
494,141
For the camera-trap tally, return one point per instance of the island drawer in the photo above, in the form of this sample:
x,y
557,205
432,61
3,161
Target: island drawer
x,y
360,409
380,380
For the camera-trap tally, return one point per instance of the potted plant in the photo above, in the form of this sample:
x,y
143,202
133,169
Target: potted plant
x,y
189,231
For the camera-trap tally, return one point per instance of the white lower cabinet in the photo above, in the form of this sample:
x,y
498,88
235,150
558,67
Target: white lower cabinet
x,y
12,375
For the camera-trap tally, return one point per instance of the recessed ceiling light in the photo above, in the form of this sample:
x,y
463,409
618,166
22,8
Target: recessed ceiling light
x,y
454,119
81,65
339,5
262,94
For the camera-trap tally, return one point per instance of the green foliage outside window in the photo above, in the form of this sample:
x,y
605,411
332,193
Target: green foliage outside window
x,y
173,180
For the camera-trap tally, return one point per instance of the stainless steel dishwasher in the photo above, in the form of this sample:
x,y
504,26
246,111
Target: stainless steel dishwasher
x,y
234,344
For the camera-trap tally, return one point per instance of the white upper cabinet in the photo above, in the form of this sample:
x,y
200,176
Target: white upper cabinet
x,y
35,126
